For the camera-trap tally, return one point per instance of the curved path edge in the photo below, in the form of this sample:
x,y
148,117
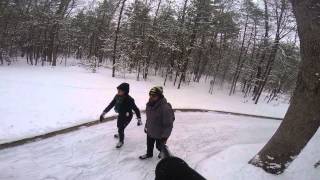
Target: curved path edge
x,y
95,122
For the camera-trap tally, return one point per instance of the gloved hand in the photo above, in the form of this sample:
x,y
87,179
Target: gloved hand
x,y
139,123
102,116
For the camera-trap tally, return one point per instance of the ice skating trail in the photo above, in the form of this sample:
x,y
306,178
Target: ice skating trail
x,y
200,138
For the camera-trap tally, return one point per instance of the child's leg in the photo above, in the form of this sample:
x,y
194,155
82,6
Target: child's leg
x,y
121,134
160,143
150,145
122,124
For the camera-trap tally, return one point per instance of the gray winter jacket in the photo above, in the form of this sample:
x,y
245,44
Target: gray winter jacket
x,y
160,119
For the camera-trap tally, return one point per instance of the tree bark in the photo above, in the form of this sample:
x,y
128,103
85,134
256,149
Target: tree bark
x,y
302,119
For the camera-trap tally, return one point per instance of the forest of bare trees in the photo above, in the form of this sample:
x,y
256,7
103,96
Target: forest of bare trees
x,y
246,46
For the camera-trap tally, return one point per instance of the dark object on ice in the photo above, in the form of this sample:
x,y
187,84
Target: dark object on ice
x,y
317,164
174,168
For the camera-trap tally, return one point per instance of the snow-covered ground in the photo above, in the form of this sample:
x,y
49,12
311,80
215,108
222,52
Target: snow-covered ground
x,y
36,100
216,145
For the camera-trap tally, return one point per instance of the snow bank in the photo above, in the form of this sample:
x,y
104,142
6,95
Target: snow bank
x,y
232,164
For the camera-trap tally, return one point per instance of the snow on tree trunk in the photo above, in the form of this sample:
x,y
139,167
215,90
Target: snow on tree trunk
x,y
302,119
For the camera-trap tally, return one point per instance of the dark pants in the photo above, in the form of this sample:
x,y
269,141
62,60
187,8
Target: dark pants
x,y
122,123
159,144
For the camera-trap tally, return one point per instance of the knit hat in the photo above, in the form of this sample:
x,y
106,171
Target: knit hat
x,y
124,87
157,90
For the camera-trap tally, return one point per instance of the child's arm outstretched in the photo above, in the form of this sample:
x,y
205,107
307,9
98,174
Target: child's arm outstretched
x,y
108,108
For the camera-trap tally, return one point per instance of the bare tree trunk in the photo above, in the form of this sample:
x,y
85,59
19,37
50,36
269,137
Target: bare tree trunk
x,y
234,79
175,78
253,54
1,59
52,56
216,70
197,71
139,69
264,51
116,39
169,68
302,119
186,58
181,41
273,53
51,45
242,63
152,44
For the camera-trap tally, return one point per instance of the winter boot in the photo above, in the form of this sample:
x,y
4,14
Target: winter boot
x,y
119,144
146,156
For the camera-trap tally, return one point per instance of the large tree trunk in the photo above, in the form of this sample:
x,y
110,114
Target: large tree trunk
x,y
302,119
